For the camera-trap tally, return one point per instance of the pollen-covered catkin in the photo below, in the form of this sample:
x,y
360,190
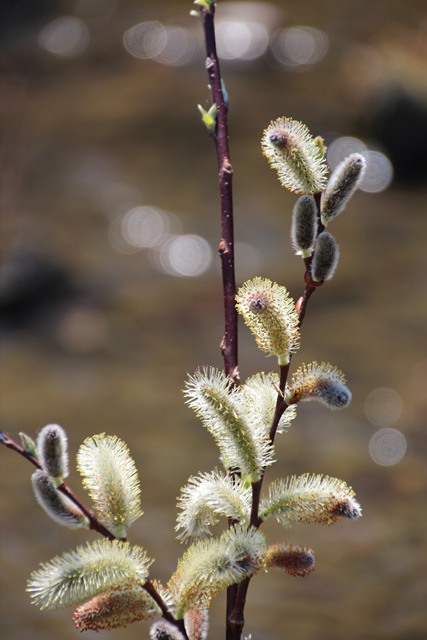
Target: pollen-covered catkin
x,y
297,157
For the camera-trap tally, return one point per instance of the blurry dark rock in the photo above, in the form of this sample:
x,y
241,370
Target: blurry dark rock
x,y
399,124
31,289
19,16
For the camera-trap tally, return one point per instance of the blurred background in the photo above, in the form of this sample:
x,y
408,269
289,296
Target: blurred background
x,y
110,288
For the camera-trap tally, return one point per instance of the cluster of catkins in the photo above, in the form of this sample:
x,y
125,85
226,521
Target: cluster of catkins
x,y
108,580
301,167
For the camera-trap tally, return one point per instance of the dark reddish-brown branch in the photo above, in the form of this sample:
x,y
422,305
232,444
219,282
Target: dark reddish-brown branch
x,y
226,245
166,614
229,344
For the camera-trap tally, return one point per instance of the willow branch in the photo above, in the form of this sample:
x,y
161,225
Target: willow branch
x,y
94,523
226,246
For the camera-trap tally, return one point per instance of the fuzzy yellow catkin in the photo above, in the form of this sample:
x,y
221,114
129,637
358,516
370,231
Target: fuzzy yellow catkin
x,y
297,157
270,314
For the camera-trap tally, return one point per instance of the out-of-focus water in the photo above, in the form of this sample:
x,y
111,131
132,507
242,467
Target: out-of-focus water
x,y
109,184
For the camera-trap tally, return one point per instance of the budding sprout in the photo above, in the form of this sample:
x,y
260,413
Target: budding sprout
x,y
296,156
57,506
304,226
52,452
28,444
325,257
341,186
270,314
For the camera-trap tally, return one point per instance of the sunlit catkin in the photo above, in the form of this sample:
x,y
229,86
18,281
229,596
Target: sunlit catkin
x,y
76,576
110,475
341,186
297,157
270,314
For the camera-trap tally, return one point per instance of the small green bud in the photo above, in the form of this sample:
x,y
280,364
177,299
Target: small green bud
x,y
208,117
304,226
28,444
224,93
52,452
206,4
320,144
325,257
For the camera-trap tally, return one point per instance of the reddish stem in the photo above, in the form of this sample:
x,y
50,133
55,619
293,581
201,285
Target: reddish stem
x,y
226,246
95,525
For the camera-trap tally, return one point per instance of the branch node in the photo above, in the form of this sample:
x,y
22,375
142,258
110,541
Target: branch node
x,y
226,166
310,282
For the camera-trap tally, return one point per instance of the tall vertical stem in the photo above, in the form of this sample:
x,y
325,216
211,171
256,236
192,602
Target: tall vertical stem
x,y
229,343
226,245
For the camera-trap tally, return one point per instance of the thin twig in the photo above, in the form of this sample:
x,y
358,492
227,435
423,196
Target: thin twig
x,y
166,614
95,525
226,246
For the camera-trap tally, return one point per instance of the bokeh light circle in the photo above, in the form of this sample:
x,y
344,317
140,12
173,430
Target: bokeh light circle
x,y
378,174
383,407
298,46
241,40
65,37
145,227
341,148
387,446
145,40
183,255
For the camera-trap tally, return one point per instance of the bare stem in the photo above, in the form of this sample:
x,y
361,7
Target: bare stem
x,y
226,245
